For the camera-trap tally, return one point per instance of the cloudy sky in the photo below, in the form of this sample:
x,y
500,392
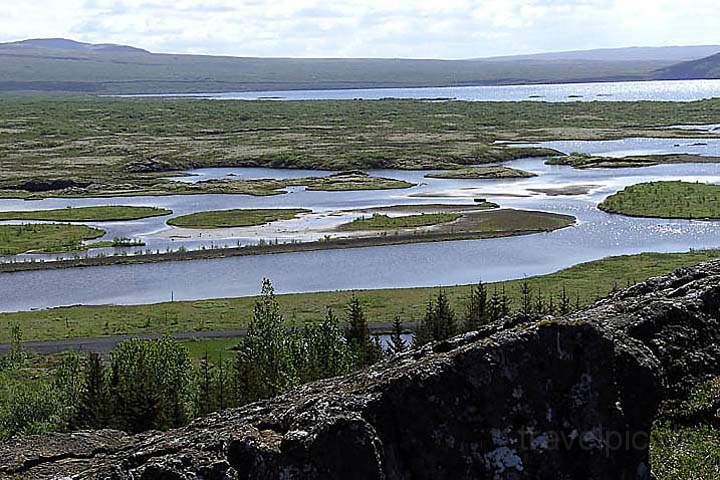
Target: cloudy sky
x,y
366,28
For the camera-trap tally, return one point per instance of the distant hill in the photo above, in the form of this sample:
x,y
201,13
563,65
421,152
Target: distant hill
x,y
708,67
62,65
65,44
663,54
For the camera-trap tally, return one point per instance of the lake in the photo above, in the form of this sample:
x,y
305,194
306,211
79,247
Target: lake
x,y
665,90
596,235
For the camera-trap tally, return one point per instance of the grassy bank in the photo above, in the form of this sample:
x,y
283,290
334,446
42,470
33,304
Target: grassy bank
x,y
45,238
666,200
88,214
588,280
101,147
242,217
482,173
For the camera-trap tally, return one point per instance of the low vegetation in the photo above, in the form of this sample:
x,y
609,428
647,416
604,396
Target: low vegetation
x,y
480,173
104,147
674,199
45,238
87,214
243,217
384,222
685,441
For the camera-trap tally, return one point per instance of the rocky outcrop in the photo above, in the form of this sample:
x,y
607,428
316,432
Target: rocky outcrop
x,y
568,398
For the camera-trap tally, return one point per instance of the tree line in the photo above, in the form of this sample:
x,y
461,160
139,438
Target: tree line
x,y
155,384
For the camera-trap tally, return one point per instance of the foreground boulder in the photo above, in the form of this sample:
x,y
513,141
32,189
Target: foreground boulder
x,y
569,398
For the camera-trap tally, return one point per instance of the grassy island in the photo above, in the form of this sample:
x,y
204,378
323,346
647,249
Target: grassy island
x,y
384,222
241,217
674,199
45,238
583,160
482,173
88,214
348,181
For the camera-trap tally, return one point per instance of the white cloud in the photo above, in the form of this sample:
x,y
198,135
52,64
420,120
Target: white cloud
x,y
387,28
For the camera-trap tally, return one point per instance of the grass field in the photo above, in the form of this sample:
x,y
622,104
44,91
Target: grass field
x,y
480,173
666,200
588,281
44,238
383,222
88,214
102,147
242,217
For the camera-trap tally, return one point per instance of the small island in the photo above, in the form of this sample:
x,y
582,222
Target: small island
x,y
45,238
240,217
583,160
481,173
675,199
87,214
349,181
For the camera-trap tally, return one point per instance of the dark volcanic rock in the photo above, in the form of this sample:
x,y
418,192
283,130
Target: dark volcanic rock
x,y
48,185
570,398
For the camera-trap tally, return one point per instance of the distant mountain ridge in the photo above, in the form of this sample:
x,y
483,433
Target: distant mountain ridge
x,y
668,54
704,68
62,65
65,44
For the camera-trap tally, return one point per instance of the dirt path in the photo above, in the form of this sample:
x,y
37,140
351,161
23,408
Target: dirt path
x,y
104,345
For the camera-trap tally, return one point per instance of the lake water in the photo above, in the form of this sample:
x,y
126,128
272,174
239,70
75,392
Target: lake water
x,y
670,90
595,236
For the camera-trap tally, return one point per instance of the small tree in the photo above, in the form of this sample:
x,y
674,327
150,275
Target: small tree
x,y
397,342
263,363
526,296
357,335
439,321
476,309
564,306
94,399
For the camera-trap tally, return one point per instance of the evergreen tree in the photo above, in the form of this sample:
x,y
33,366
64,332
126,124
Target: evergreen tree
x,y
439,321
95,397
357,335
397,342
263,361
505,303
564,307
540,308
526,306
477,308
494,306
551,305
205,380
424,330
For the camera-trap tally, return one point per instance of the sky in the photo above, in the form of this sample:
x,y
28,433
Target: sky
x,y
366,28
